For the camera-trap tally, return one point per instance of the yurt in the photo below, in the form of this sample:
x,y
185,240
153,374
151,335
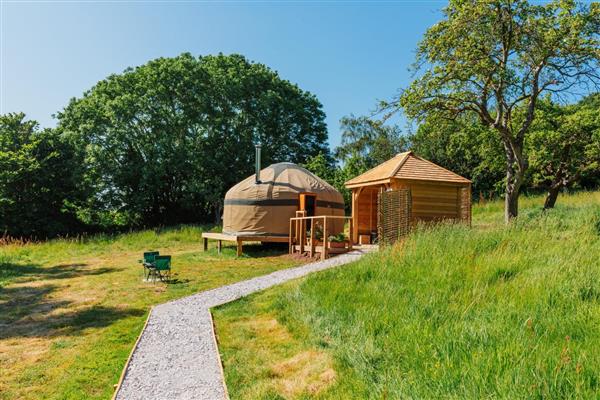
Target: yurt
x,y
263,204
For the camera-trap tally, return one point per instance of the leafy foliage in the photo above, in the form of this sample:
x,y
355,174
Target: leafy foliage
x,y
564,146
369,139
336,175
39,172
164,141
366,142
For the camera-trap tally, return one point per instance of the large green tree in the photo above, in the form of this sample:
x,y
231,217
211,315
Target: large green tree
x,y
39,175
491,57
165,140
369,139
464,146
564,146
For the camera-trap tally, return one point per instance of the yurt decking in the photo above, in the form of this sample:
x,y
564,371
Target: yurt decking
x,y
259,208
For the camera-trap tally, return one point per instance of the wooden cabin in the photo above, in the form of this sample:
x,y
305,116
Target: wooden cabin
x,y
436,193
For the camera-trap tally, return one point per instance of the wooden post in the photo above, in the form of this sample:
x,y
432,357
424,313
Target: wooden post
x,y
355,195
312,239
324,252
290,238
353,212
371,211
205,244
302,235
350,235
219,242
239,247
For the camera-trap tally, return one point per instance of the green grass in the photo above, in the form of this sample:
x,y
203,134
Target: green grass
x,y
71,309
454,312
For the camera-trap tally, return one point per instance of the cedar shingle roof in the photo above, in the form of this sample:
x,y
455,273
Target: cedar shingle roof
x,y
406,165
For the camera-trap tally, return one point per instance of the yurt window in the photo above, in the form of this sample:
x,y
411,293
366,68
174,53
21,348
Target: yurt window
x,y
308,202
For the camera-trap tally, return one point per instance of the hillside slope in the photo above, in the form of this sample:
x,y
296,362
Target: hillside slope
x,y
454,312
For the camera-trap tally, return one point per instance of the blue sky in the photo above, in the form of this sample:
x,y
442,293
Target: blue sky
x,y
349,54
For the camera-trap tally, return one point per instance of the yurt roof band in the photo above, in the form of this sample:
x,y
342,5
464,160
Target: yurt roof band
x,y
279,202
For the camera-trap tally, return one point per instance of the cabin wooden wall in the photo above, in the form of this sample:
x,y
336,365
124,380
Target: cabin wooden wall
x,y
432,201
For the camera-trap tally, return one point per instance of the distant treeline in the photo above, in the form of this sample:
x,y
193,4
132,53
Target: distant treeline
x,y
160,144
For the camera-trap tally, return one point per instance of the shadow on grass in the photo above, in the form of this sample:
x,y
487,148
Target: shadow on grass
x,y
31,311
30,272
177,281
67,323
26,303
27,311
252,250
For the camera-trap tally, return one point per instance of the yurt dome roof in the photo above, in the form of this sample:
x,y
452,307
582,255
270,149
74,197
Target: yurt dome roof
x,y
287,178
265,207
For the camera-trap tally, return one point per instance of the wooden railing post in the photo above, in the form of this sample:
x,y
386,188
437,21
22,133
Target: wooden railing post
x,y
312,238
302,235
350,235
290,240
324,252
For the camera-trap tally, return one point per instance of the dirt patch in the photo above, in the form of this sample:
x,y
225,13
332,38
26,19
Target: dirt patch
x,y
309,372
268,328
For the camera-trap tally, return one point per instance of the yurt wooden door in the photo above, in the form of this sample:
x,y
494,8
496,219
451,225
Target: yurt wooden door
x,y
308,203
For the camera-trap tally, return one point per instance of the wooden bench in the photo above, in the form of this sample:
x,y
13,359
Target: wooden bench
x,y
239,240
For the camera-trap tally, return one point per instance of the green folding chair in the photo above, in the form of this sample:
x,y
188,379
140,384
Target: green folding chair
x,y
162,268
148,263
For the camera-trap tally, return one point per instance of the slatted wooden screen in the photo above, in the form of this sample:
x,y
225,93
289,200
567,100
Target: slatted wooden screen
x,y
464,199
393,215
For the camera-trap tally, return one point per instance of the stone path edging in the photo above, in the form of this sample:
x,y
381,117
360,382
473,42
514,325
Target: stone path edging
x,y
176,355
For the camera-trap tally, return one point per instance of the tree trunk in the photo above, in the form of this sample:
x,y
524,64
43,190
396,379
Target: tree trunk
x,y
561,179
515,170
558,183
511,203
551,197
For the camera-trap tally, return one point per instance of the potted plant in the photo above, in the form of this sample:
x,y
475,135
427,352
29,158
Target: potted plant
x,y
318,234
338,241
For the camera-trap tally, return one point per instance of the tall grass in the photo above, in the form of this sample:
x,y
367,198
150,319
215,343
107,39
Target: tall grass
x,y
488,312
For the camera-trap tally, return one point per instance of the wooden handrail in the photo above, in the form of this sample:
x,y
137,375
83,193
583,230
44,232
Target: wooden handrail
x,y
299,237
321,216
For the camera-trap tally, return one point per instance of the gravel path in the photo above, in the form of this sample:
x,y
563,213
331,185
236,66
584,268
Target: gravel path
x,y
177,356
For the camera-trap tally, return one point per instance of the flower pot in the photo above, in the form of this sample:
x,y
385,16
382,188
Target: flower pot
x,y
337,245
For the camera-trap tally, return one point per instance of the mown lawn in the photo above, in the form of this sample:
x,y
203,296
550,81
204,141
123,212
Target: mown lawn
x,y
453,313
70,311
